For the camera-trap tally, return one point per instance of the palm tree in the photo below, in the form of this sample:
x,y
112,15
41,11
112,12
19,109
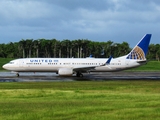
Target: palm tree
x,y
79,48
73,50
54,47
152,51
3,53
22,46
45,47
59,47
29,43
157,46
85,48
66,44
36,45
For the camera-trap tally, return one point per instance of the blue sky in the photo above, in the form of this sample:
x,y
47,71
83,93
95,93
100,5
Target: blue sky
x,y
97,20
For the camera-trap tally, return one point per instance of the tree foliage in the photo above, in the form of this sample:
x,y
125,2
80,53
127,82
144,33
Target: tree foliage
x,y
80,48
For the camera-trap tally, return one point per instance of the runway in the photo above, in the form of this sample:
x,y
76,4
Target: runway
x,y
40,77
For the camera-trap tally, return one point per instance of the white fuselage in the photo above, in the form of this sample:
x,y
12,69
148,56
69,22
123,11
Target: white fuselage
x,y
54,64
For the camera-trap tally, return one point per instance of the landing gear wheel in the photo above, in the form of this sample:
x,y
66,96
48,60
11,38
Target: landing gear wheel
x,y
17,74
79,74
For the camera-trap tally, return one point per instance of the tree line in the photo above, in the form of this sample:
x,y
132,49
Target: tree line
x,y
80,48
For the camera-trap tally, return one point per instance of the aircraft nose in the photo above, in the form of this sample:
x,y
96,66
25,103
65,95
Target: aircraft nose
x,y
4,66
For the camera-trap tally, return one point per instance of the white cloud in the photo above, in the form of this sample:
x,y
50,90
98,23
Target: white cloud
x,y
27,9
116,20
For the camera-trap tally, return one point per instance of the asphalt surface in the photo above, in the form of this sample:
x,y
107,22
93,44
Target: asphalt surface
x,y
28,77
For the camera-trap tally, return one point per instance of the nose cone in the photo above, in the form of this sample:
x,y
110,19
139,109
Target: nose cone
x,y
5,66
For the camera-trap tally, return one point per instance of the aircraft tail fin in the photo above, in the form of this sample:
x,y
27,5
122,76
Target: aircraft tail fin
x,y
139,52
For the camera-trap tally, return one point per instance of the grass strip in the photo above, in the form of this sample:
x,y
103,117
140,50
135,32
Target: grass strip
x,y
80,100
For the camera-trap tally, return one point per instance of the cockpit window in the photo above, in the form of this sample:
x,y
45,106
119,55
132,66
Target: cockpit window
x,y
11,62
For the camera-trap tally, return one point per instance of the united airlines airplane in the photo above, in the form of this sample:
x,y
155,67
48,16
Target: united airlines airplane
x,y
70,66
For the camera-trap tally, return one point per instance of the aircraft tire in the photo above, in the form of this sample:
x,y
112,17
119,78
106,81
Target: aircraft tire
x,y
79,74
17,74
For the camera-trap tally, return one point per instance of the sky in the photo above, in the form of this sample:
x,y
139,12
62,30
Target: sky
x,y
96,20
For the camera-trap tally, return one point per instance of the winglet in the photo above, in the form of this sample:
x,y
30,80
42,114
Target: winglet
x,y
108,61
90,56
140,50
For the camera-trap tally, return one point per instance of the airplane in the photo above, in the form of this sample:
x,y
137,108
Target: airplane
x,y
70,66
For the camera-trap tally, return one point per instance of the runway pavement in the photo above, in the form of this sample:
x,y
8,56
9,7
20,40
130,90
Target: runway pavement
x,y
124,75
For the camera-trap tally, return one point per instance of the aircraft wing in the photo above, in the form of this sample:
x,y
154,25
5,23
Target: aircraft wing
x,y
84,68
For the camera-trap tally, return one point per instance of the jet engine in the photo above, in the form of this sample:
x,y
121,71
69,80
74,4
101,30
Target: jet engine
x,y
65,72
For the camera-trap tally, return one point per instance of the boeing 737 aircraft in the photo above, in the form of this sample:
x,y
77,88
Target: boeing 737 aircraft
x,y
70,66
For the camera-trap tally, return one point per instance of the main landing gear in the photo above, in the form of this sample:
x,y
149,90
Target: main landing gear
x,y
79,74
17,74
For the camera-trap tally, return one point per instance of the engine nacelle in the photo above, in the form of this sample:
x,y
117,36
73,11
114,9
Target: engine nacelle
x,y
65,72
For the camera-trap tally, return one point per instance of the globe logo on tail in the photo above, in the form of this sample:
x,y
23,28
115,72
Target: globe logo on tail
x,y
136,53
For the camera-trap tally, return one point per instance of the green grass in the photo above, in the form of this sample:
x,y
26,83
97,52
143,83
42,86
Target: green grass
x,y
4,61
89,100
